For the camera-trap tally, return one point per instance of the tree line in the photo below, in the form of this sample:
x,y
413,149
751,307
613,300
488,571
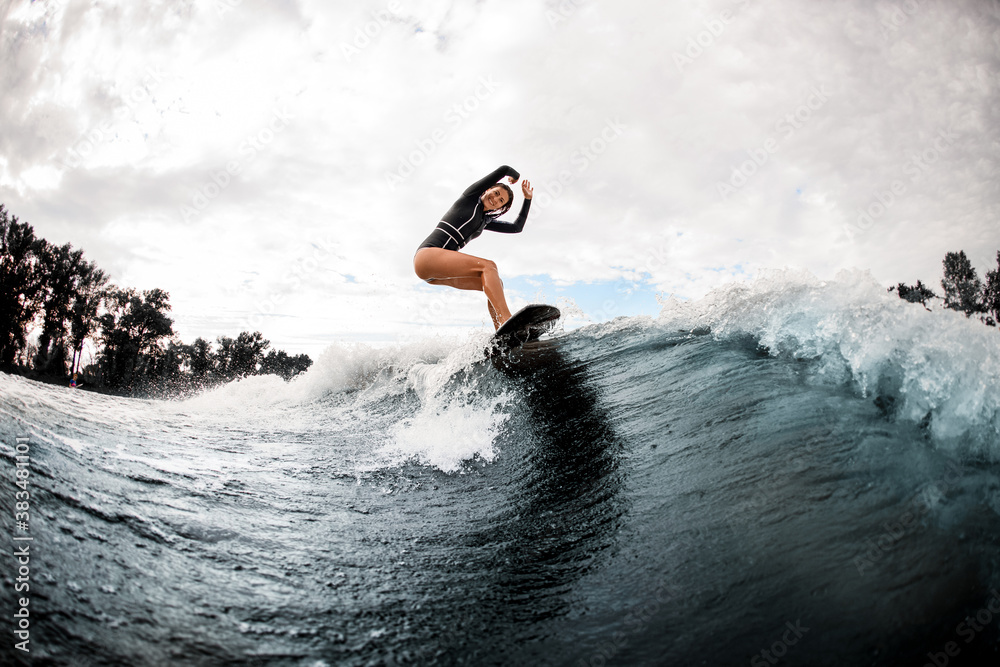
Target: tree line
x,y
963,290
54,292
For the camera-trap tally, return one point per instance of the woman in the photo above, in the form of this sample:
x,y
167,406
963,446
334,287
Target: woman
x,y
438,261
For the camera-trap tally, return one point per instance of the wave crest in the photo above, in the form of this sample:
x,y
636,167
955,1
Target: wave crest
x,y
934,367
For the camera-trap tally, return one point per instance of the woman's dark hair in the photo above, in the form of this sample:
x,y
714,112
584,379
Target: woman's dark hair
x,y
506,207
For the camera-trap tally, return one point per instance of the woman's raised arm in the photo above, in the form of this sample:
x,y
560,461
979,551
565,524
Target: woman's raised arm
x,y
482,185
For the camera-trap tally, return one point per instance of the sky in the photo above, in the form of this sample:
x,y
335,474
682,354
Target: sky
x,y
274,165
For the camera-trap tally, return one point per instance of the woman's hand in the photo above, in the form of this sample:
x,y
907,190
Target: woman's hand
x,y
526,189
512,180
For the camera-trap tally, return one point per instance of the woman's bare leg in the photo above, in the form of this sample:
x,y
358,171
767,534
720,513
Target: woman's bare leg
x,y
449,267
494,314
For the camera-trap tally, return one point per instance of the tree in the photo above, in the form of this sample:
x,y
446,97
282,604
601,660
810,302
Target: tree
x,y
221,358
90,292
61,268
21,283
279,363
131,330
169,366
962,288
241,357
918,293
200,359
70,299
247,353
991,295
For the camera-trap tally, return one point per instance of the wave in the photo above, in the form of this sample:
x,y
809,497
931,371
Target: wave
x,y
935,368
438,402
719,466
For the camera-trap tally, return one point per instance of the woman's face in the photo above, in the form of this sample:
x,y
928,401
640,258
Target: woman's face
x,y
494,198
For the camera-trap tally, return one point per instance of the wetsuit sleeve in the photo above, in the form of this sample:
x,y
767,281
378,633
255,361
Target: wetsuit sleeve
x,y
481,186
511,227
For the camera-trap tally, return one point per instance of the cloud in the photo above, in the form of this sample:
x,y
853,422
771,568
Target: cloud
x,y
689,143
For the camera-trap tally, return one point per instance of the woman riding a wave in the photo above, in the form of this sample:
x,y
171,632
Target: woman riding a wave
x,y
438,260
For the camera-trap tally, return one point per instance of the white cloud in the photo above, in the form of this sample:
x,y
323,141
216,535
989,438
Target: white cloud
x,y
642,109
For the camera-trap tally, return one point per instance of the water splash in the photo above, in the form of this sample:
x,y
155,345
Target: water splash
x,y
939,368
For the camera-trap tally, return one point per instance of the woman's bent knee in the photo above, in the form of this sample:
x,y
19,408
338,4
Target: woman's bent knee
x,y
423,264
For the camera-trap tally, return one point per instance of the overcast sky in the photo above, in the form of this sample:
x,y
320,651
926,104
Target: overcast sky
x,y
274,165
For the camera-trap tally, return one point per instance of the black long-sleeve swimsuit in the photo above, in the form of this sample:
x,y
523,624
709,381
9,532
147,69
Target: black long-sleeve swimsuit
x,y
466,219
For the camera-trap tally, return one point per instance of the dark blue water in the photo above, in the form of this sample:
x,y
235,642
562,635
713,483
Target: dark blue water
x,y
791,472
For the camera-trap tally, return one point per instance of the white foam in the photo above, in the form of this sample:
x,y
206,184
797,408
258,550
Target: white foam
x,y
453,424
340,368
445,434
939,363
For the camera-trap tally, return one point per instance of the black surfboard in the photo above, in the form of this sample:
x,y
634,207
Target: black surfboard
x,y
526,325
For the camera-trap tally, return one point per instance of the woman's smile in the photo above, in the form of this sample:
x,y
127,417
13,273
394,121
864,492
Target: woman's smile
x,y
495,199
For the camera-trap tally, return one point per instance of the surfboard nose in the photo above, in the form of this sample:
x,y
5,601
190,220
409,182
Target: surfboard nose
x,y
526,325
